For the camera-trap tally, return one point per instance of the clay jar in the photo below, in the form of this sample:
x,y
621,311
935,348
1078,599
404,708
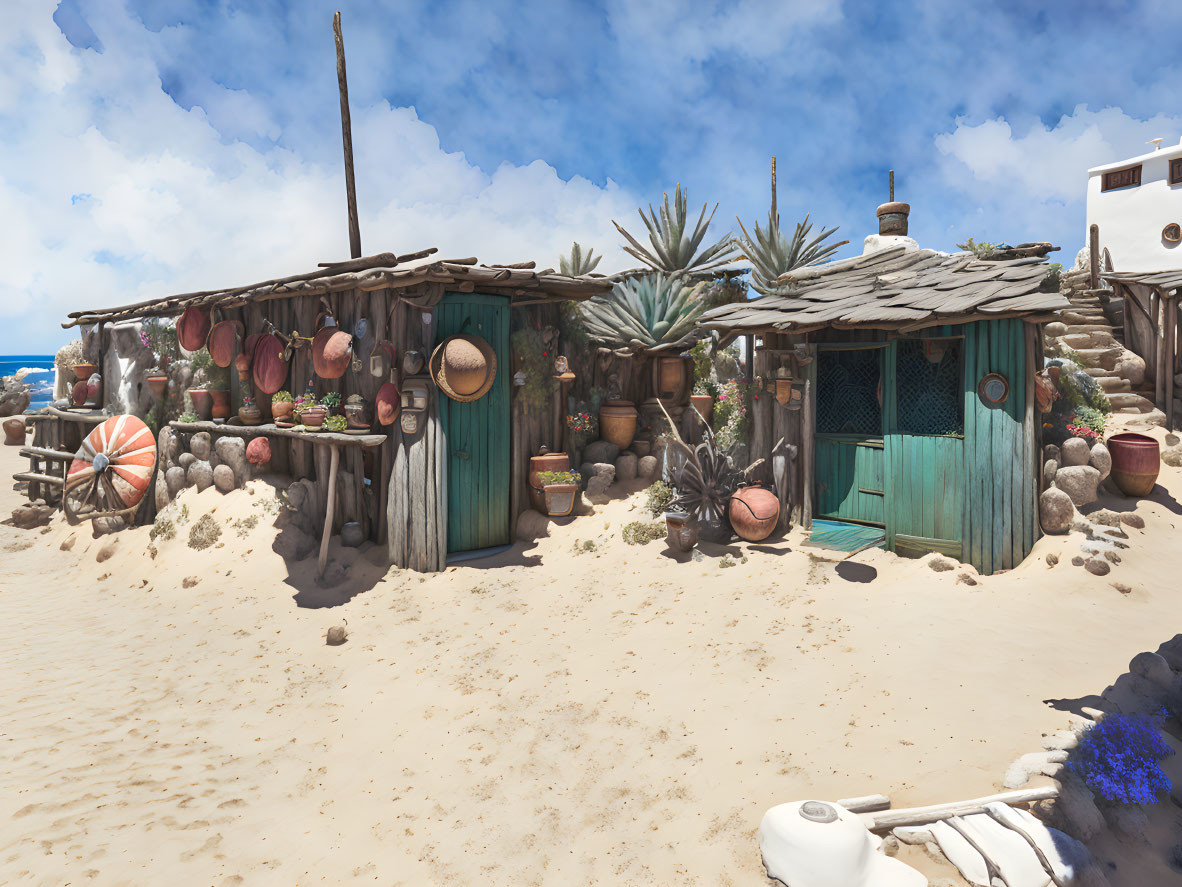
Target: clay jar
x,y
351,536
157,384
754,513
313,417
1136,462
617,422
250,414
202,403
221,403
14,431
281,411
704,404
538,464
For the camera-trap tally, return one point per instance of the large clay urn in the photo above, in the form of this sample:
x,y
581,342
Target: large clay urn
x,y
704,404
1136,462
670,378
538,464
617,422
754,512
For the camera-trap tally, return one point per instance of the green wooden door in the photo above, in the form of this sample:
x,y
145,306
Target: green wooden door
x,y
850,479
849,457
476,434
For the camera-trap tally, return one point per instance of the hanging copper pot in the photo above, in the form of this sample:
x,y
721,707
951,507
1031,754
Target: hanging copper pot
x,y
332,350
267,364
192,328
223,341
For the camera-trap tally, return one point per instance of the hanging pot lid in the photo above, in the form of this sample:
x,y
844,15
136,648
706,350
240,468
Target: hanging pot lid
x,y
332,350
269,368
192,328
222,341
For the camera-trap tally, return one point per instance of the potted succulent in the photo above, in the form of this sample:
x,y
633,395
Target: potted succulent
x,y
331,402
560,489
248,412
159,336
705,388
335,424
282,406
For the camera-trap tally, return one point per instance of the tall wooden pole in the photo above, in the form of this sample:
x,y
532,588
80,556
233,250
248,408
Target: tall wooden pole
x,y
1094,256
892,186
774,215
347,140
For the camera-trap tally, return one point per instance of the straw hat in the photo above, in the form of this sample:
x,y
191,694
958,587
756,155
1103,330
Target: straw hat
x,y
817,844
464,367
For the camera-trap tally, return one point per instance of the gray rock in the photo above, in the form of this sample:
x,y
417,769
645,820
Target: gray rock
x,y
29,515
1049,468
336,636
199,445
1132,694
1097,566
1051,453
912,834
1100,459
176,480
200,475
1172,456
161,491
1075,451
598,485
1055,510
1171,652
1079,482
1128,820
223,478
532,525
626,467
14,396
184,460
293,544
1130,519
941,564
1055,329
231,451
601,451
1112,557
1052,558
103,526
1130,366
1106,517
1153,668
1075,810
646,467
167,446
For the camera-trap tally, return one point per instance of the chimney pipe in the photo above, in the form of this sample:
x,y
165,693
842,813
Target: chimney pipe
x,y
892,218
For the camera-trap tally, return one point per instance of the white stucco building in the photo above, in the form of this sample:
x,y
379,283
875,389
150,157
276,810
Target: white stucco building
x,y
1138,205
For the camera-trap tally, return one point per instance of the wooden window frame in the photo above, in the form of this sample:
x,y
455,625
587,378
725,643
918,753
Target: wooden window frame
x,y
1175,175
1131,173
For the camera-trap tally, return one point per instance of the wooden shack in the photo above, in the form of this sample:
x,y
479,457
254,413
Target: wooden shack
x,y
904,378
1151,329
458,481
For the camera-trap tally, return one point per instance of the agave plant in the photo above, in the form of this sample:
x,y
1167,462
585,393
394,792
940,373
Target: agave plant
x,y
772,254
578,262
673,250
705,481
645,313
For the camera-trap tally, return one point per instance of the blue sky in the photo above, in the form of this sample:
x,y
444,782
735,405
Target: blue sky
x,y
154,146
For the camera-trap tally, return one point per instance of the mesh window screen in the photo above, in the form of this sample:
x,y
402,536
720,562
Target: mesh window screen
x,y
848,392
928,384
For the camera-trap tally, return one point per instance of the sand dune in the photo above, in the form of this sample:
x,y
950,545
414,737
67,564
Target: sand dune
x,y
608,716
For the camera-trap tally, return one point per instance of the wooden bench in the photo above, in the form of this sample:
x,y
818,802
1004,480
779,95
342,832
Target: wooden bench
x,y
38,475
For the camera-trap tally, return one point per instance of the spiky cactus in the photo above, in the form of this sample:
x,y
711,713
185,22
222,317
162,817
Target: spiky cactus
x,y
772,254
644,313
673,250
578,262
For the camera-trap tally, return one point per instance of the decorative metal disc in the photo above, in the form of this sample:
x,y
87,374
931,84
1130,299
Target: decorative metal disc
x,y
818,811
1172,233
994,389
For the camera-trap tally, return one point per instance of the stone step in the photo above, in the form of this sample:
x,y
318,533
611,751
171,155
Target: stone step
x,y
1081,341
1098,372
1123,402
1114,384
1100,357
1089,328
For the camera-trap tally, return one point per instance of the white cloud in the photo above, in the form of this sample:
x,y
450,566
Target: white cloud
x,y
114,193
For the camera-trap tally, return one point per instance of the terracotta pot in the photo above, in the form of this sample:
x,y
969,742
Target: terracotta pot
x,y
221,403
682,534
642,448
250,414
617,423
351,536
754,513
83,371
157,384
704,404
281,411
1136,462
202,403
313,417
14,432
78,394
538,464
560,499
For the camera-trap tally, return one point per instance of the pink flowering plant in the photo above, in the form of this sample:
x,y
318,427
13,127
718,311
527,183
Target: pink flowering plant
x,y
159,336
731,413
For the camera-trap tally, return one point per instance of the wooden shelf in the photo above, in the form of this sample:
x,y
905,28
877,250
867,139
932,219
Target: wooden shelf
x,y
331,438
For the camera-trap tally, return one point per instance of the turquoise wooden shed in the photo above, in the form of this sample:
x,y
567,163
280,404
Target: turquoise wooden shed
x,y
905,379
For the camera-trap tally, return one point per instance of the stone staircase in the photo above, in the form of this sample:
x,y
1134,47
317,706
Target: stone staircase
x,y
1088,330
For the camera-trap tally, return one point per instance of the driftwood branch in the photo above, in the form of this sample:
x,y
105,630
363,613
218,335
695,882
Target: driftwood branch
x,y
878,822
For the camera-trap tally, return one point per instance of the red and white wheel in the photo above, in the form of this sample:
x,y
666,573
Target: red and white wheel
x,y
111,472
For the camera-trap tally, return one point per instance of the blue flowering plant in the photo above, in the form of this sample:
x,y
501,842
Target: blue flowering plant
x,y
1120,759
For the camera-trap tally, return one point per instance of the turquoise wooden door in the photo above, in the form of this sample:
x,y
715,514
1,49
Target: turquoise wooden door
x,y
849,458
850,479
477,433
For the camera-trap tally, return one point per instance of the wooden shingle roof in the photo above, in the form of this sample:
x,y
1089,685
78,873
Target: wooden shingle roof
x,y
1162,280
895,288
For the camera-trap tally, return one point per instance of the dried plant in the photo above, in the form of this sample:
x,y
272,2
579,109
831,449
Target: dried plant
x,y
673,250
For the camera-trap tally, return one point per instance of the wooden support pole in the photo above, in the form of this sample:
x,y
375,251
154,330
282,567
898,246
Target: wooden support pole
x,y
329,509
1094,256
1171,346
347,141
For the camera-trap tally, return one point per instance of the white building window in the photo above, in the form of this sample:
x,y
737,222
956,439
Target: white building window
x,y
1128,177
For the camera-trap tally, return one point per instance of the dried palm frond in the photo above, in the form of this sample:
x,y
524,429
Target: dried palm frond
x,y
673,250
578,263
645,313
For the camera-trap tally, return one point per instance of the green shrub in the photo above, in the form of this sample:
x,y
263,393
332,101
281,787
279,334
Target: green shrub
x,y
546,478
643,532
658,498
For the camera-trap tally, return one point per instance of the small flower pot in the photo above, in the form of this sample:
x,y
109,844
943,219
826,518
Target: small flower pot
x,y
157,384
313,417
221,403
538,464
202,403
83,371
250,414
560,499
281,411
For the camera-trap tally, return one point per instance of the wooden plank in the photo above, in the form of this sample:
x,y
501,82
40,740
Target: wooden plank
x,y
1171,348
322,560
917,546
34,477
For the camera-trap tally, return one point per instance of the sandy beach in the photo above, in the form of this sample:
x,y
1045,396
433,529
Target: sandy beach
x,y
573,711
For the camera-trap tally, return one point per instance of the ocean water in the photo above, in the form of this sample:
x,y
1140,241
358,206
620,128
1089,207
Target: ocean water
x,y
39,379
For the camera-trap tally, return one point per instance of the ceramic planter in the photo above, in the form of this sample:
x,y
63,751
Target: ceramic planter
x,y
281,411
754,513
670,378
202,403
313,417
221,403
250,414
560,499
83,371
704,404
617,423
538,464
1136,462
682,534
642,448
157,384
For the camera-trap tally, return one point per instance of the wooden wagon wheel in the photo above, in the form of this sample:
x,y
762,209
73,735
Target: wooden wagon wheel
x,y
111,472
